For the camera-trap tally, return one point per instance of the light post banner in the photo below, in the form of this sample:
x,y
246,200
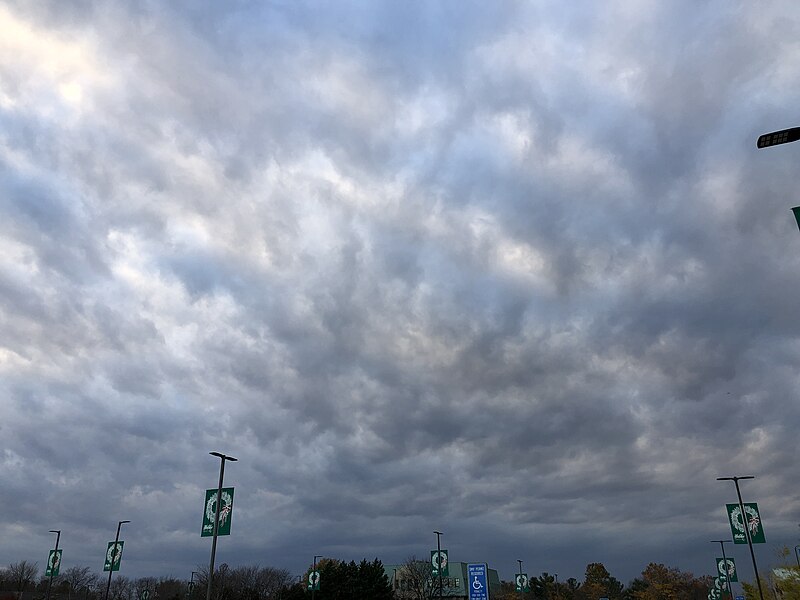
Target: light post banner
x,y
439,562
730,572
53,563
753,519
225,512
313,580
521,582
113,556
477,582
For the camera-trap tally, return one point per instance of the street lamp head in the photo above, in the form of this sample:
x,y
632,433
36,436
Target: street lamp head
x,y
784,136
55,531
735,478
121,522
438,533
223,456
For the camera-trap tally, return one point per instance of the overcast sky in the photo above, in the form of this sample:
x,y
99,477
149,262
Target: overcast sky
x,y
513,271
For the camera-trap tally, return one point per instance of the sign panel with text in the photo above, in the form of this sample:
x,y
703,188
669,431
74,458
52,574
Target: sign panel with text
x,y
477,581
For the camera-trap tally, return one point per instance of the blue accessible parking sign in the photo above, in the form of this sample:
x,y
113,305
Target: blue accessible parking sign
x,y
477,582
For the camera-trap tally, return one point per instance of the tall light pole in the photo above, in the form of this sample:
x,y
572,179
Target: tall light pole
x,y
50,581
796,557
556,574
521,587
725,562
113,555
222,459
313,573
735,481
439,560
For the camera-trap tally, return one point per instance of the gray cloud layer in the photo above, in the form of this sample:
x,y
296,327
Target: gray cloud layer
x,y
514,272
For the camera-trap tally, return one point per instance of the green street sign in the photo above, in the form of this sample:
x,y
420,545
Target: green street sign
x,y
753,519
313,580
190,586
439,564
53,563
730,572
521,582
113,556
225,512
144,595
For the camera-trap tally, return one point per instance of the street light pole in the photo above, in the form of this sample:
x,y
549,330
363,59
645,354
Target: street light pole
x,y
50,581
796,557
313,572
746,528
439,560
222,459
113,556
557,595
725,562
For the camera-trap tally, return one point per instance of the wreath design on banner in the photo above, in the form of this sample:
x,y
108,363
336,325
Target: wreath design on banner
x,y
224,511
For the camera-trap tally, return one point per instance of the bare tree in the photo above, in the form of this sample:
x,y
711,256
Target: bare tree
x,y
416,582
78,579
121,588
22,575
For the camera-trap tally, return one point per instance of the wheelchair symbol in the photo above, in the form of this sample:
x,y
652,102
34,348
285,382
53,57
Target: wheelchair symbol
x,y
477,585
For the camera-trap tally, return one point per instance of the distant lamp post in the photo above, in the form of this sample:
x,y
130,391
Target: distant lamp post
x,y
116,549
796,557
50,581
312,579
735,481
222,459
439,560
725,562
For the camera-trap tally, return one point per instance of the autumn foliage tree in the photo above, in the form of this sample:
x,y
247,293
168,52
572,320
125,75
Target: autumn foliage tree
x,y
599,583
659,582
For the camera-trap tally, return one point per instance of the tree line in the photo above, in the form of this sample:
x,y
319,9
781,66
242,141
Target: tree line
x,y
367,580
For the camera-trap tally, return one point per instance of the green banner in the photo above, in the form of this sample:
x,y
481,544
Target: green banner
x,y
113,556
439,563
720,583
313,580
753,519
53,563
225,512
521,582
730,572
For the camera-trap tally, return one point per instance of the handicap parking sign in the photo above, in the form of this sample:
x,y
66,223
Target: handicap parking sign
x,y
477,582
